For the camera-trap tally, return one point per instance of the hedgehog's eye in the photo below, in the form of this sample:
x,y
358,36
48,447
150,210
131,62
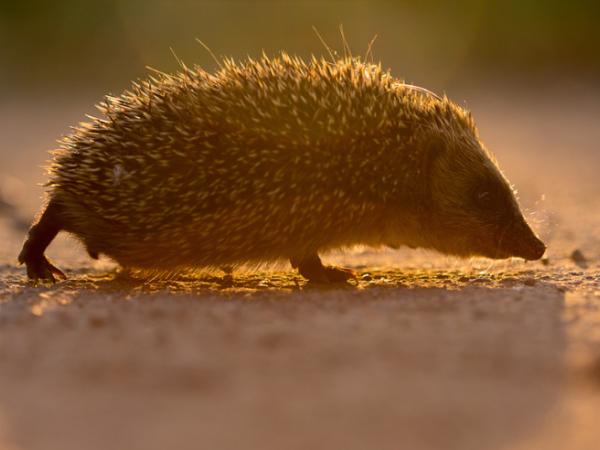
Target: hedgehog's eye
x,y
484,198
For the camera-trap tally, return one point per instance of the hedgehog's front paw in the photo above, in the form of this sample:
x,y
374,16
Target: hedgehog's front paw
x,y
39,267
313,270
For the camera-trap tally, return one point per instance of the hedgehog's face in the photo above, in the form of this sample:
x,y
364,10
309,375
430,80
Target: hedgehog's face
x,y
473,210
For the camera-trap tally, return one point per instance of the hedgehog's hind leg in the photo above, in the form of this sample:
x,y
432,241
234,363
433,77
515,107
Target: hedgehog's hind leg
x,y
313,269
40,236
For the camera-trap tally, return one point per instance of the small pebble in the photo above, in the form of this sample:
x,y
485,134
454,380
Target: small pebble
x,y
577,256
529,281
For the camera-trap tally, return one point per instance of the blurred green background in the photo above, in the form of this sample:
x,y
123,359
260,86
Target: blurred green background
x,y
106,43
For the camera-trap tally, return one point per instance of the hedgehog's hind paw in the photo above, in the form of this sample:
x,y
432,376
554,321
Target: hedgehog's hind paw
x,y
39,267
336,274
313,270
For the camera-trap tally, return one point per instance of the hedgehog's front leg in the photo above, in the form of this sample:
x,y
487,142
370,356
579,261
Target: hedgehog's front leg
x,y
40,236
313,269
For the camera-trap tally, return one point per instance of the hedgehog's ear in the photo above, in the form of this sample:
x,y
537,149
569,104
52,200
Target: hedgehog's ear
x,y
434,149
435,146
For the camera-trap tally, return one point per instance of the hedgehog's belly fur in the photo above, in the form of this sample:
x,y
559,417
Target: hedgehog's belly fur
x,y
260,231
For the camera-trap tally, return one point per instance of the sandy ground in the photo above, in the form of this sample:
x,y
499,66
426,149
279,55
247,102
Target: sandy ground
x,y
424,352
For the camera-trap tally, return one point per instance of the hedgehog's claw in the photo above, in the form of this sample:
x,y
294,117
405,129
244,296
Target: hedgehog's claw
x,y
313,270
40,267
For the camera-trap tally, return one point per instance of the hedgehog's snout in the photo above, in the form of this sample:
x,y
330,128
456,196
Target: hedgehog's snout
x,y
520,241
534,249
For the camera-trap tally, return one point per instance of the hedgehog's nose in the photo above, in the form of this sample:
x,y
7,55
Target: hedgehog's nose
x,y
535,250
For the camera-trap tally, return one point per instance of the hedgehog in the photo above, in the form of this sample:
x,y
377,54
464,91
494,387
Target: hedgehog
x,y
275,160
